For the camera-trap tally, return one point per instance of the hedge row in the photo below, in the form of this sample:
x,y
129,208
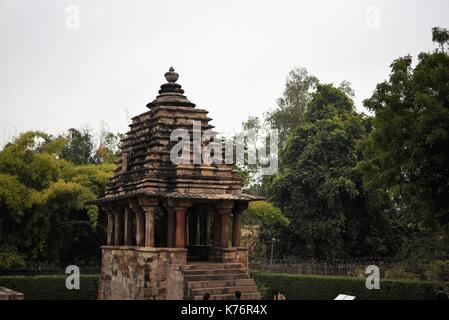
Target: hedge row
x,y
51,287
309,287
295,287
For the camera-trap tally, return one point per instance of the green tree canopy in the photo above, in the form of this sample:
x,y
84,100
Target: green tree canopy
x,y
79,148
319,188
292,104
407,153
44,216
263,213
441,36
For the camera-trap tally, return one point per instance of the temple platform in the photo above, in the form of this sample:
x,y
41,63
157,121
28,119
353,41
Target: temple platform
x,y
165,274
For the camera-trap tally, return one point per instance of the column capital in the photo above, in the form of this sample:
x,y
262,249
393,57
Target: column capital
x,y
134,205
224,210
224,205
179,203
108,208
240,206
146,202
121,204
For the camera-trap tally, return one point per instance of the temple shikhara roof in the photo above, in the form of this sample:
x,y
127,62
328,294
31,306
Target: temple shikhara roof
x,y
145,166
170,216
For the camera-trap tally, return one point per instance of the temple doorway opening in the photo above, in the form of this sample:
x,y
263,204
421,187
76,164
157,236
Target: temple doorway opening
x,y
199,232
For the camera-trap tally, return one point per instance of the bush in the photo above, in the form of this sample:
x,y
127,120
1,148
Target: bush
x,y
438,270
400,272
51,287
295,287
308,287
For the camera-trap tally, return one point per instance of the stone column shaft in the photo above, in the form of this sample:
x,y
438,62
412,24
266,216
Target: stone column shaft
x,y
140,229
149,226
180,227
110,229
217,230
118,229
128,227
170,228
223,217
236,229
197,229
208,225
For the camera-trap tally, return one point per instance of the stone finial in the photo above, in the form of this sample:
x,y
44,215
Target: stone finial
x,y
171,75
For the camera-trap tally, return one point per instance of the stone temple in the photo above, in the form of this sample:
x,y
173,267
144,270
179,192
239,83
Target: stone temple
x,y
173,228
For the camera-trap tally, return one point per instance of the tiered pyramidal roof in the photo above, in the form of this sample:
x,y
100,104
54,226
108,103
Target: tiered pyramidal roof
x,y
145,166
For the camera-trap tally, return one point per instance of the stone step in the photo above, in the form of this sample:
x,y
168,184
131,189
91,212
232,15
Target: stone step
x,y
222,290
211,265
216,277
219,283
245,296
214,271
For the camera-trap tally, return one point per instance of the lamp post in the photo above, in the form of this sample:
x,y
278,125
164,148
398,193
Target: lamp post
x,y
272,247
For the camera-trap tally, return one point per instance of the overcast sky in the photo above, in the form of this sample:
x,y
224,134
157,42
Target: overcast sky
x,y
60,70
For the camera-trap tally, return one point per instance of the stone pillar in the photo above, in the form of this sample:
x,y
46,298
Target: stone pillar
x,y
180,208
223,216
238,209
217,230
187,230
128,227
118,228
149,205
180,227
197,228
149,226
170,227
110,233
209,214
140,232
140,225
236,229
221,225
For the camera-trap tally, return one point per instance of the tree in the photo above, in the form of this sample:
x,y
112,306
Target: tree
x,y
109,148
14,201
284,118
249,173
44,216
261,221
407,153
441,36
320,190
292,105
79,148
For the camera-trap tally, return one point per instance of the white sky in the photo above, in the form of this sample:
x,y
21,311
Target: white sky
x,y
232,56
